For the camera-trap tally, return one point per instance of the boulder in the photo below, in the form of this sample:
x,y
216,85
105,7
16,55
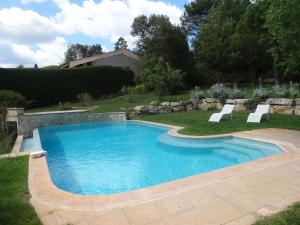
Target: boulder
x,y
189,107
165,104
236,101
297,110
282,109
297,101
152,109
279,101
211,100
174,104
240,107
207,106
184,103
142,109
179,108
164,109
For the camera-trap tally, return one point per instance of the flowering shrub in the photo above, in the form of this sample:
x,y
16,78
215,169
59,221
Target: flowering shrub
x,y
236,93
260,93
293,90
197,94
219,91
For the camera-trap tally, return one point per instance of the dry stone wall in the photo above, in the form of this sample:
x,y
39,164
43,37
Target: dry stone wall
x,y
277,105
28,122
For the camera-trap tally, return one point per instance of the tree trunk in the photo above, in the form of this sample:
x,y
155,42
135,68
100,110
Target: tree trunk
x,y
275,70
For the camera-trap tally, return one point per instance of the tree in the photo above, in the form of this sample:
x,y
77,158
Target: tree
x,y
217,44
195,13
158,37
282,22
94,50
121,44
86,51
159,77
250,43
212,44
20,66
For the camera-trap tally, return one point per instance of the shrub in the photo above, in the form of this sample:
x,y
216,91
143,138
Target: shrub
x,y
219,91
252,103
197,94
236,93
260,93
11,99
281,91
293,90
5,143
64,106
84,98
162,78
50,86
138,89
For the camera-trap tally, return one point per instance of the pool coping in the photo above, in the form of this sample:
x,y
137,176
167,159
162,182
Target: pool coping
x,y
42,188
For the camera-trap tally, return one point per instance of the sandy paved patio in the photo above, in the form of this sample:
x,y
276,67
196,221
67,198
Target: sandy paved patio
x,y
235,195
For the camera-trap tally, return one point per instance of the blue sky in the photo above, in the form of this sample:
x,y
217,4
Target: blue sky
x,y
39,31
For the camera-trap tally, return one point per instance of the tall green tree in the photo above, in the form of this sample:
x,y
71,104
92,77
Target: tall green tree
x,y
213,49
250,43
121,44
158,37
84,50
282,22
195,13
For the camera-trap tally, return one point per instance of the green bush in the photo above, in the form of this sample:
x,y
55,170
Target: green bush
x,y
11,99
5,143
252,103
64,106
84,98
138,89
162,78
50,86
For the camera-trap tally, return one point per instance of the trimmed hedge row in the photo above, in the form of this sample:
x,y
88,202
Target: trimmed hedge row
x,y
49,86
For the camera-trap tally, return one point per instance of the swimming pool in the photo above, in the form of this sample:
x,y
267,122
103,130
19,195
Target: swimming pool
x,y
113,157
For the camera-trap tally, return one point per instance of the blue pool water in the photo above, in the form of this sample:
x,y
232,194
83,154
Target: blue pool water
x,y
113,157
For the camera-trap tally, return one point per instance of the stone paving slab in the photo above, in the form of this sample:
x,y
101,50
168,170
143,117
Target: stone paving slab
x,y
235,195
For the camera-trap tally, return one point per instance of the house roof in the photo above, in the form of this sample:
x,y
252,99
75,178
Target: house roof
x,y
103,56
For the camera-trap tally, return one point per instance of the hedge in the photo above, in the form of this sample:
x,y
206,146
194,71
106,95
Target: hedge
x,y
50,86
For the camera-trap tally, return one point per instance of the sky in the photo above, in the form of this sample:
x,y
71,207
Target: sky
x,y
39,31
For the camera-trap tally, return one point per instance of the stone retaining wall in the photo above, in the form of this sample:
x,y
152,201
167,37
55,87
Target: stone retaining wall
x,y
30,121
277,105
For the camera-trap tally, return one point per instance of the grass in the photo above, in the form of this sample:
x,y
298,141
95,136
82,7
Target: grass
x,y
118,103
290,216
196,122
14,206
5,143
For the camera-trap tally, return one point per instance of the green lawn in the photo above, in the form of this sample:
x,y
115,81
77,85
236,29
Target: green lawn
x,y
290,216
14,206
117,104
196,122
5,143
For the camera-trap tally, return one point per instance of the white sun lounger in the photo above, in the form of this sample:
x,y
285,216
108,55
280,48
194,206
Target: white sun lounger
x,y
227,110
260,111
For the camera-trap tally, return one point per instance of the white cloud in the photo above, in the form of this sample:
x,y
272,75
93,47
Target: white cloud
x,y
28,38
25,27
42,54
109,18
34,1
